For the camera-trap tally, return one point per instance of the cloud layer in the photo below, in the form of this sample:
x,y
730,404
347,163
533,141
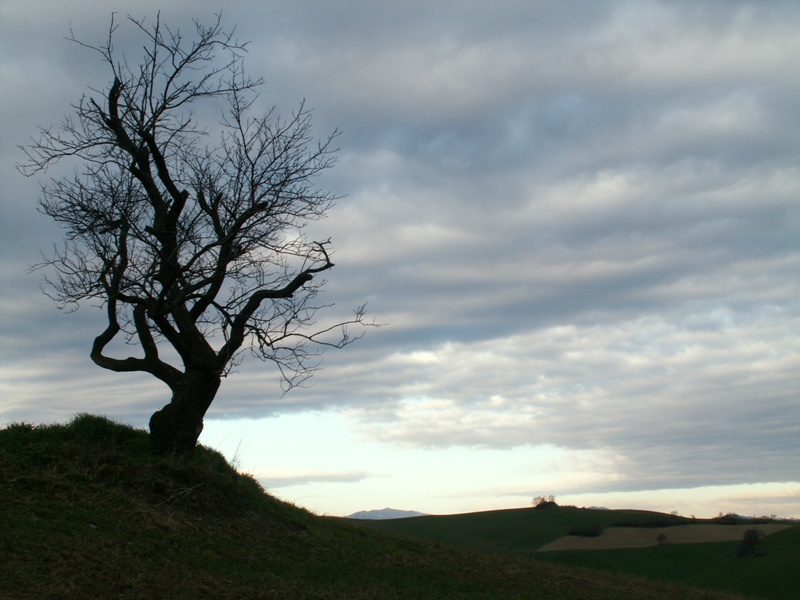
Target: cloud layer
x,y
581,224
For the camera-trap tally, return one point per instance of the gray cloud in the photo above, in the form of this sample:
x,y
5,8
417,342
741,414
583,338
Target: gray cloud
x,y
581,226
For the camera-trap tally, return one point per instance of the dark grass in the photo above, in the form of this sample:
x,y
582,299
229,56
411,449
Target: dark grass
x,y
87,512
774,572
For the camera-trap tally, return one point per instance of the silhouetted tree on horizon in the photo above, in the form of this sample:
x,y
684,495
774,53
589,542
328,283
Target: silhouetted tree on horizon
x,y
190,243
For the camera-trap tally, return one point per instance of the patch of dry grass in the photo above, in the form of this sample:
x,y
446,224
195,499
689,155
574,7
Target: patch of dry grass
x,y
637,537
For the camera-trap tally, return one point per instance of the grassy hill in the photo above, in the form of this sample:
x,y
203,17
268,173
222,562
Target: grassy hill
x,y
517,532
87,512
713,565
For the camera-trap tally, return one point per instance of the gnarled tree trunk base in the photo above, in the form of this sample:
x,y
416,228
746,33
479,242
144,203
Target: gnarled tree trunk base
x,y
172,432
176,427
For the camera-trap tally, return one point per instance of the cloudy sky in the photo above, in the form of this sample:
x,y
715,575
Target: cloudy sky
x,y
580,221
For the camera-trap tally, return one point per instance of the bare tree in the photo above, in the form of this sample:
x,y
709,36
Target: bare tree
x,y
191,246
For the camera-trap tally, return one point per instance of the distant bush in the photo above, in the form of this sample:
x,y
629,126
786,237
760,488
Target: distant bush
x,y
586,531
734,519
542,502
750,539
652,522
729,519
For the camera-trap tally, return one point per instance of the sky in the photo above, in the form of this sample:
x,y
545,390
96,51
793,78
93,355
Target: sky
x,y
578,221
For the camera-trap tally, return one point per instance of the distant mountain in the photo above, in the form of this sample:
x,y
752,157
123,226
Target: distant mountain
x,y
385,513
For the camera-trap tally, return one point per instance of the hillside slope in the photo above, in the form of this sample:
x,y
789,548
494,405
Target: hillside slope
x,y
87,512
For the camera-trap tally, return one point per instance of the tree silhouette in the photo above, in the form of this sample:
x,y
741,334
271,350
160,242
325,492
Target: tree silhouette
x,y
192,240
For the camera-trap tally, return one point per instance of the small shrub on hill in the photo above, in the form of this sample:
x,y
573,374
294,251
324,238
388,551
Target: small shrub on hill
x,y
728,519
653,522
749,543
542,502
586,531
734,519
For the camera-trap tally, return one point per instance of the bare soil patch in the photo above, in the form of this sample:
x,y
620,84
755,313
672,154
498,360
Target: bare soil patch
x,y
641,537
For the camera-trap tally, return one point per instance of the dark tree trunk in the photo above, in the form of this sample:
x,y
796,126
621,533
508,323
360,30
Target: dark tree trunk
x,y
175,428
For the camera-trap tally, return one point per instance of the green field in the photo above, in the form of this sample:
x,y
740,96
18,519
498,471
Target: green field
x,y
521,532
772,574
86,511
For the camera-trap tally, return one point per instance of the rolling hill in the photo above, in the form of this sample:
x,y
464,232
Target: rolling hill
x,y
692,551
